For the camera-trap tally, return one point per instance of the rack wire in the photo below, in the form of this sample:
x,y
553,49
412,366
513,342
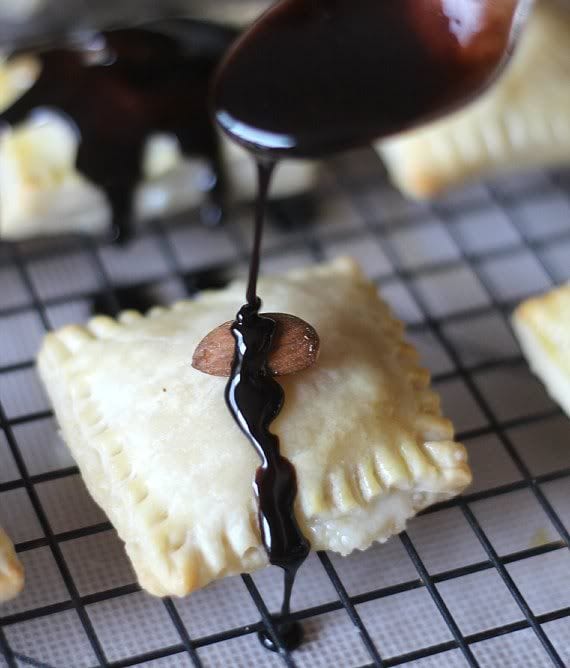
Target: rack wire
x,y
453,270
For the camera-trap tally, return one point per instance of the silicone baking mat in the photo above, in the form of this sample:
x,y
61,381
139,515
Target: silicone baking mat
x,y
483,580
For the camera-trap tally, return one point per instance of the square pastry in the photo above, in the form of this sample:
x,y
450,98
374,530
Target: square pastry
x,y
522,122
161,454
542,325
11,570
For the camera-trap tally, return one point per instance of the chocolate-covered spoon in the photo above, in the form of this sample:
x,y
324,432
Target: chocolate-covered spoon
x,y
312,77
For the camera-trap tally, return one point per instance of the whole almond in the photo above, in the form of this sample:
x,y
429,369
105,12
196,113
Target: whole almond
x,y
295,346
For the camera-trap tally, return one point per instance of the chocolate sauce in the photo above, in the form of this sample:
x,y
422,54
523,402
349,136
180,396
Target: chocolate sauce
x,y
119,87
313,77
255,399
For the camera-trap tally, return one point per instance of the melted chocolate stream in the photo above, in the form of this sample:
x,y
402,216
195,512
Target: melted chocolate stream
x,y
255,399
122,86
313,77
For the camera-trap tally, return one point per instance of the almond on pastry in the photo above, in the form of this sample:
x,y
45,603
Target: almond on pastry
x,y
294,347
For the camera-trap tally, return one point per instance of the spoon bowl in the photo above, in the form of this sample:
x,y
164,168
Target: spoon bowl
x,y
313,77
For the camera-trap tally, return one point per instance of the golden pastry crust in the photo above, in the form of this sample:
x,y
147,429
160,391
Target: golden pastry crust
x,y
161,454
11,570
16,77
542,325
522,122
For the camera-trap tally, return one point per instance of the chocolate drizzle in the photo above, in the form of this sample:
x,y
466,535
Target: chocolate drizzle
x,y
118,88
255,399
313,77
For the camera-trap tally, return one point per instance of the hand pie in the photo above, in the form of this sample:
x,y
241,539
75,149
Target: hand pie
x,y
161,454
542,325
42,193
522,122
11,570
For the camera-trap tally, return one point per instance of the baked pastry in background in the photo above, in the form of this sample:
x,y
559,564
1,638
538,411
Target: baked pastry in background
x,y
522,122
11,570
42,190
542,325
43,194
161,454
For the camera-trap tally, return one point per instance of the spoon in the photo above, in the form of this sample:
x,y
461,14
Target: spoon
x,y
313,77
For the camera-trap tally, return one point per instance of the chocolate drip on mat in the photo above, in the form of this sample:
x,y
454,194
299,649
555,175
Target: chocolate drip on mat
x,y
255,399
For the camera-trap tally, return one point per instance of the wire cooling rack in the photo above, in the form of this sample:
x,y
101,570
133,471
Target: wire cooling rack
x,y
483,580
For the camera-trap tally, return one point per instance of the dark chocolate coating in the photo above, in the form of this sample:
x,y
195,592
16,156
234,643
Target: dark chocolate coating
x,y
255,398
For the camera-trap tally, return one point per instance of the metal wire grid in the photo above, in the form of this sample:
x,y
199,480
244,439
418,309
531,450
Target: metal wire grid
x,y
385,218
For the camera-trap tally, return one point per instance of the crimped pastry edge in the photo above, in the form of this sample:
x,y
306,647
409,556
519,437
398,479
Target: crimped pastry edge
x,y
167,567
11,569
526,325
